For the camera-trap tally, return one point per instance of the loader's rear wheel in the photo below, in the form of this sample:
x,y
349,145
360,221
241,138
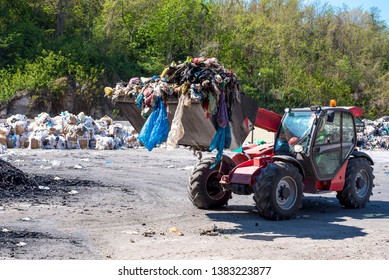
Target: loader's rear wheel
x,y
358,185
204,189
279,191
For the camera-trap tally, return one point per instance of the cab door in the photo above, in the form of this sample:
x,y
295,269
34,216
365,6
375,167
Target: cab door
x,y
333,143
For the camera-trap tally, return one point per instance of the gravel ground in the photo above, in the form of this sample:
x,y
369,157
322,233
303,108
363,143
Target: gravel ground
x,y
132,204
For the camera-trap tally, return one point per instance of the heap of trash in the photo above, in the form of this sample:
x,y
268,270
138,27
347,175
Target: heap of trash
x,y
12,178
202,79
375,135
65,131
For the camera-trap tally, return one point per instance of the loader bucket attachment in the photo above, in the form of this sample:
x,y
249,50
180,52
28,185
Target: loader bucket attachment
x,y
199,131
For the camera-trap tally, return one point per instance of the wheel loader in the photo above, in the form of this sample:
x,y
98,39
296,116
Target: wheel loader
x,y
314,150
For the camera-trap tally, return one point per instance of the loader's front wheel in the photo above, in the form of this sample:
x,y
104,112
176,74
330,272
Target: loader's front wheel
x,y
358,185
278,192
204,189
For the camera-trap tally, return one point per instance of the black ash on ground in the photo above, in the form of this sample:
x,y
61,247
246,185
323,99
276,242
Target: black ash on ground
x,y
14,180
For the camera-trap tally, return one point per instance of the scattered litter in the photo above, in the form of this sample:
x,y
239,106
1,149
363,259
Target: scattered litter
x,y
77,166
387,172
57,178
186,168
21,244
149,233
170,166
131,232
73,192
44,188
85,159
173,229
210,233
45,167
108,162
27,219
55,163
5,230
215,231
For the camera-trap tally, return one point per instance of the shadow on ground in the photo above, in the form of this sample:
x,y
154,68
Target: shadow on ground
x,y
320,218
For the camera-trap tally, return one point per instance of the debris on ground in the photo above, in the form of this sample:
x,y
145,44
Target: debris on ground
x,y
15,183
21,244
66,131
173,229
149,233
375,135
214,231
13,180
176,231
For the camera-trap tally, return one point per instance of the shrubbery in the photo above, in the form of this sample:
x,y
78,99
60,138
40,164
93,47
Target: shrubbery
x,y
285,53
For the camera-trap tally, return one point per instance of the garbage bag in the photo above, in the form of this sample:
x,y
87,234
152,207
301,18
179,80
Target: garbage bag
x,y
177,130
139,100
222,114
156,128
222,140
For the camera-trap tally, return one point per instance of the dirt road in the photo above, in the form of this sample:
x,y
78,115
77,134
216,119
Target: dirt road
x,y
132,204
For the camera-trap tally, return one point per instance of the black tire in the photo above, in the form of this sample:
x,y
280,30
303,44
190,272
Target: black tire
x,y
278,191
204,189
358,186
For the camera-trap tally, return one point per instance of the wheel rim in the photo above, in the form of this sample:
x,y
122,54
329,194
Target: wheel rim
x,y
214,190
286,193
362,183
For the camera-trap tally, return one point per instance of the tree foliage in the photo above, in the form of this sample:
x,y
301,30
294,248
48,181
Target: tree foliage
x,y
285,53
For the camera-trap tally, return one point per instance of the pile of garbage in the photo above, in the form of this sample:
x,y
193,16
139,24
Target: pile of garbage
x,y
12,178
201,79
375,135
65,131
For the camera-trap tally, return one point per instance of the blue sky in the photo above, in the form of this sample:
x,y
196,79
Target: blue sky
x,y
382,5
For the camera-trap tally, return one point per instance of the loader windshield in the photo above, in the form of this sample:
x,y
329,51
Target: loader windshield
x,y
294,129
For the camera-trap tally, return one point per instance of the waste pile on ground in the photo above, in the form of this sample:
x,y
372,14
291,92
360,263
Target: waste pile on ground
x,y
16,183
14,180
375,135
65,131
202,79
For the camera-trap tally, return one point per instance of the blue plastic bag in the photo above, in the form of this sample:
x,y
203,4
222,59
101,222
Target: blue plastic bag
x,y
139,100
156,128
222,139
